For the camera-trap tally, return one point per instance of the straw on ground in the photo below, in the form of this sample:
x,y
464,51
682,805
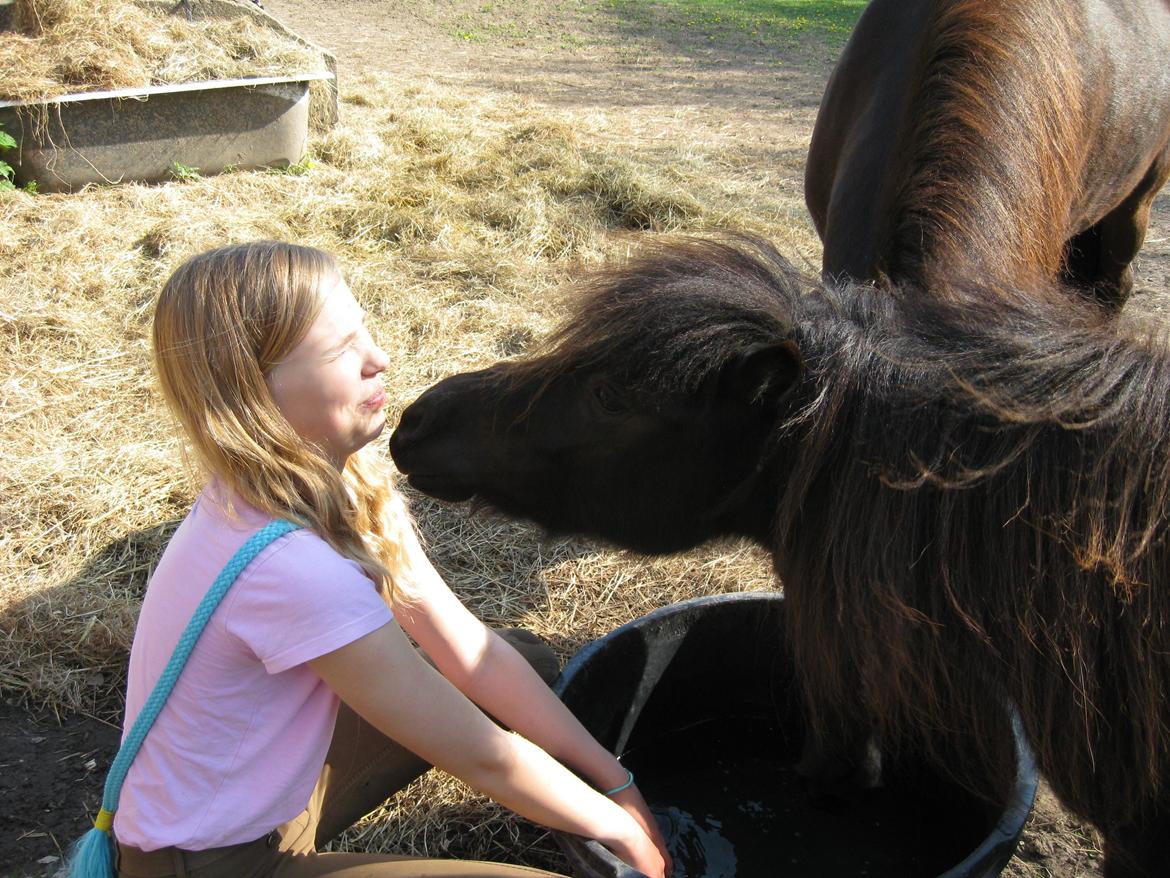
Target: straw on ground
x,y
458,218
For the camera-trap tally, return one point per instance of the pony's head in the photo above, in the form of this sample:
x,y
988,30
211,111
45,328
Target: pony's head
x,y
647,420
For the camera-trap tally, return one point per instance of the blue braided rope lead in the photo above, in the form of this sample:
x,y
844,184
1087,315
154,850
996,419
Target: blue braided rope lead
x,y
93,854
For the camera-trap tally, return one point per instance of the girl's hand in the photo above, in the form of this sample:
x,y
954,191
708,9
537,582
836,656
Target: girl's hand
x,y
638,849
631,800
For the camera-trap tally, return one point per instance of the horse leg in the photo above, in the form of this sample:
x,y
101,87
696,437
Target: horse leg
x,y
1140,849
1098,259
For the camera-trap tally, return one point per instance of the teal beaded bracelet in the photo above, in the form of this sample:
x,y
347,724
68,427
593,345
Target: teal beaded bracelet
x,y
629,783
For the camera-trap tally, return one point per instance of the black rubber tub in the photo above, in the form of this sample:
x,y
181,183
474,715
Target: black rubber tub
x,y
698,700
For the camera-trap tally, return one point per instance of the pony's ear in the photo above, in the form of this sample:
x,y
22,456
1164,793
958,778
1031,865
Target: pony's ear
x,y
761,372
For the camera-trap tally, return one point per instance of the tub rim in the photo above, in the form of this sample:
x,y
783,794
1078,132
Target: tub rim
x,y
1005,833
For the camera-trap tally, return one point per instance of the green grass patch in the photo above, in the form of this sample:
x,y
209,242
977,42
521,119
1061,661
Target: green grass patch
x,y
769,20
575,24
492,25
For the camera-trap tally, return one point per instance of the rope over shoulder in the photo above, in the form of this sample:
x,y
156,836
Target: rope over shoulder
x,y
93,854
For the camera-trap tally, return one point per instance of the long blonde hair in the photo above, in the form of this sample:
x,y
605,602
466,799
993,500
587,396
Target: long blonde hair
x,y
224,319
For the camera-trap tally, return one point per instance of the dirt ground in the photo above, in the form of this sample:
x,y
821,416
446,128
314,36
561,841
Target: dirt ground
x,y
658,81
53,770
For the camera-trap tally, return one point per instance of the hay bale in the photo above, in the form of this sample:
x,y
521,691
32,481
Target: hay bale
x,y
68,46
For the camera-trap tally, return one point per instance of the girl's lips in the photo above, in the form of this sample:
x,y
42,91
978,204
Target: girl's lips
x,y
376,401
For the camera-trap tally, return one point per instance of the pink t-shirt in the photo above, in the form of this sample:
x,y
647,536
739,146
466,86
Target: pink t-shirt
x,y
239,745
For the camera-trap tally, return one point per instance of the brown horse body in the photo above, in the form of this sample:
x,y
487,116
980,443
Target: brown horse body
x,y
1016,138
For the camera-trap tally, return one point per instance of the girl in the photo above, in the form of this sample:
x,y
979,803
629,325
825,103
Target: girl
x,y
304,703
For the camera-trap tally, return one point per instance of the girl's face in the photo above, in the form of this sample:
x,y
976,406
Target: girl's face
x,y
329,387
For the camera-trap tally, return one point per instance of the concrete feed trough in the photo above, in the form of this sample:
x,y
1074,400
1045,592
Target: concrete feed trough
x,y
143,134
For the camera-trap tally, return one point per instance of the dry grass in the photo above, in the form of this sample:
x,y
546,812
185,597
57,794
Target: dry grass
x,y
458,217
63,46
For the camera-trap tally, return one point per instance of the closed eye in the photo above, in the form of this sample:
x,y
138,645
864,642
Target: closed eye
x,y
346,344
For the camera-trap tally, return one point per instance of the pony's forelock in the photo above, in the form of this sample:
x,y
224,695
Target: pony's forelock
x,y
689,304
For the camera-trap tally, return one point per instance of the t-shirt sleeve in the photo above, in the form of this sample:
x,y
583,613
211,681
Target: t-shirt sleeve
x,y
299,599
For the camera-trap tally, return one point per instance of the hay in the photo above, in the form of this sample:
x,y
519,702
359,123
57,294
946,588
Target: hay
x,y
69,46
457,217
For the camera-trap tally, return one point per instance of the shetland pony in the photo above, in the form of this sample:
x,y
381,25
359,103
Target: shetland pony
x,y
967,497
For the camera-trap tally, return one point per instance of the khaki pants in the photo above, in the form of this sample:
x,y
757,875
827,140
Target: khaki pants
x,y
362,769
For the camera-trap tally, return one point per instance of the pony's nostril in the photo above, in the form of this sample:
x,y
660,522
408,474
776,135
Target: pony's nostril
x,y
411,424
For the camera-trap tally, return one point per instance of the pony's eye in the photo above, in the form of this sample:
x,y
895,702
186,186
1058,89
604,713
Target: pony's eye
x,y
608,399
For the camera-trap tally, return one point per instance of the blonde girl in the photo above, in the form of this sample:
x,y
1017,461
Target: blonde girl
x,y
304,703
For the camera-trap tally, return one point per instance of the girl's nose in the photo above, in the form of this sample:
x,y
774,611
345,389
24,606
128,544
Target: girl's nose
x,y
378,360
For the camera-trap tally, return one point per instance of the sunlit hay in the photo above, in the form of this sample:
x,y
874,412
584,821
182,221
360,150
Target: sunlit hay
x,y
458,217
68,46
437,816
457,223
346,148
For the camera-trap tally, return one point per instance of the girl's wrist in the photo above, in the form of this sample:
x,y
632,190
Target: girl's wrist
x,y
621,829
607,773
620,787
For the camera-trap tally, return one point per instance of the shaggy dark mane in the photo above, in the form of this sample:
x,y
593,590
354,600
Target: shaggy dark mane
x,y
981,498
981,181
